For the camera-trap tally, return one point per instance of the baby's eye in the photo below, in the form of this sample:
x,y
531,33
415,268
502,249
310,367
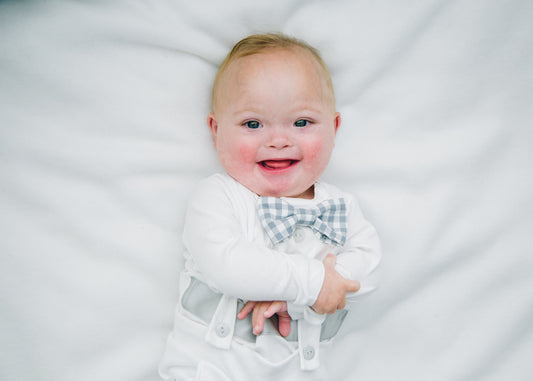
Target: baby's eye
x,y
301,123
253,124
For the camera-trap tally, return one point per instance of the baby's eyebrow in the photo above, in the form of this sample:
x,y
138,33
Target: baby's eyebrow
x,y
309,110
247,111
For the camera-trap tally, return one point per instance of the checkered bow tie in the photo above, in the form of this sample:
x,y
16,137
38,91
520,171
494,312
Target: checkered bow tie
x,y
327,219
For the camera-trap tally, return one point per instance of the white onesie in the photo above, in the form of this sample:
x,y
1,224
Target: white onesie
x,y
230,259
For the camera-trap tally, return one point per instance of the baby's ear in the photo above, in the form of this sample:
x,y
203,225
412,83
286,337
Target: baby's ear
x,y
213,126
337,121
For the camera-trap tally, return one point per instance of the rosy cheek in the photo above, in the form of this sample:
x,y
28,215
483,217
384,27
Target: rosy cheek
x,y
318,152
235,149
314,149
247,152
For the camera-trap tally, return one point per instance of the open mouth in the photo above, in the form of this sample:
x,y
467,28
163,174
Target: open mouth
x,y
276,165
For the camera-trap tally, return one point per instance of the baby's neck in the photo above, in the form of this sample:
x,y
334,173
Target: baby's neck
x,y
309,194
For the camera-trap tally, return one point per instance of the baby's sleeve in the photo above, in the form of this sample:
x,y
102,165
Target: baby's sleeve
x,y
362,252
233,264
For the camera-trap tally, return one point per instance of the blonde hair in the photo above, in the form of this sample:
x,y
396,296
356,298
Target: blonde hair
x,y
259,43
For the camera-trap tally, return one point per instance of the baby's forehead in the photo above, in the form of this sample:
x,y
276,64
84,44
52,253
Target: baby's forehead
x,y
231,73
289,57
293,53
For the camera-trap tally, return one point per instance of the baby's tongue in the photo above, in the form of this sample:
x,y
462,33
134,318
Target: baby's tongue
x,y
276,164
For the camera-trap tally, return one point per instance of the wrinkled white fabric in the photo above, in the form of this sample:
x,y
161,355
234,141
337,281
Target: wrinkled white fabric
x,y
103,138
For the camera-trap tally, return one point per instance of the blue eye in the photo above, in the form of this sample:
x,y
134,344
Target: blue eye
x,y
253,124
301,123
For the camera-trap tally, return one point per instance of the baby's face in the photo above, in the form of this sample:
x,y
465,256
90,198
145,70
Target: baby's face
x,y
274,123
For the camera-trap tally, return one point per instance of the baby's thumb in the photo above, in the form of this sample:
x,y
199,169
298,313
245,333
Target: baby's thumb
x,y
353,286
330,260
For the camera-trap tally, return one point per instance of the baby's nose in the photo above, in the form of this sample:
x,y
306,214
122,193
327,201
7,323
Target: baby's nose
x,y
279,138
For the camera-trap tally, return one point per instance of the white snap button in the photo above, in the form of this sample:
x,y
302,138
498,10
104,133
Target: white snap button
x,y
309,352
222,330
298,235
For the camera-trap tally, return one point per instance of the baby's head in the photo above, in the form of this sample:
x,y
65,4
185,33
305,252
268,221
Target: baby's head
x,y
264,43
274,119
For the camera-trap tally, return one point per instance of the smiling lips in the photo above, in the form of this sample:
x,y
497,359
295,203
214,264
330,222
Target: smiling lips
x,y
276,165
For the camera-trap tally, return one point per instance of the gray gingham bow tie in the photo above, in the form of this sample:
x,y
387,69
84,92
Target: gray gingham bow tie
x,y
327,219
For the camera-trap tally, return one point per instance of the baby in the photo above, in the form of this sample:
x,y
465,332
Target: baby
x,y
271,252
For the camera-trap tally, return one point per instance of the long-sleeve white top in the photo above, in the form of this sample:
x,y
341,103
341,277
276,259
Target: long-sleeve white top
x,y
227,248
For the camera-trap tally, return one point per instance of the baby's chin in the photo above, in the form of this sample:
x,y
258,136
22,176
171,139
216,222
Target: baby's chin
x,y
268,187
305,193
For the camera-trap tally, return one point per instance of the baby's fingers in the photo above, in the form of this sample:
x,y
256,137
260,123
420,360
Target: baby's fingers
x,y
245,311
274,308
284,324
258,317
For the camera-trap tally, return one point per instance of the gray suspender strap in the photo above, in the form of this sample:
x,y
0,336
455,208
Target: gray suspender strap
x,y
202,301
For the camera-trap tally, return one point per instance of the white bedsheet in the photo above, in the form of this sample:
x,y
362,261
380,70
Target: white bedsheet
x,y
103,137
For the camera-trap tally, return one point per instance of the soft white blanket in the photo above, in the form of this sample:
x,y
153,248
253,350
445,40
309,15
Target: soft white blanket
x,y
103,137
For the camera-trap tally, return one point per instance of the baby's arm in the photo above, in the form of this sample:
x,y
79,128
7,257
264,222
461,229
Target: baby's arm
x,y
220,251
332,297
359,257
362,252
346,274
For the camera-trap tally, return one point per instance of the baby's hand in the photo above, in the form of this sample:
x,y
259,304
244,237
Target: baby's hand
x,y
265,310
332,296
